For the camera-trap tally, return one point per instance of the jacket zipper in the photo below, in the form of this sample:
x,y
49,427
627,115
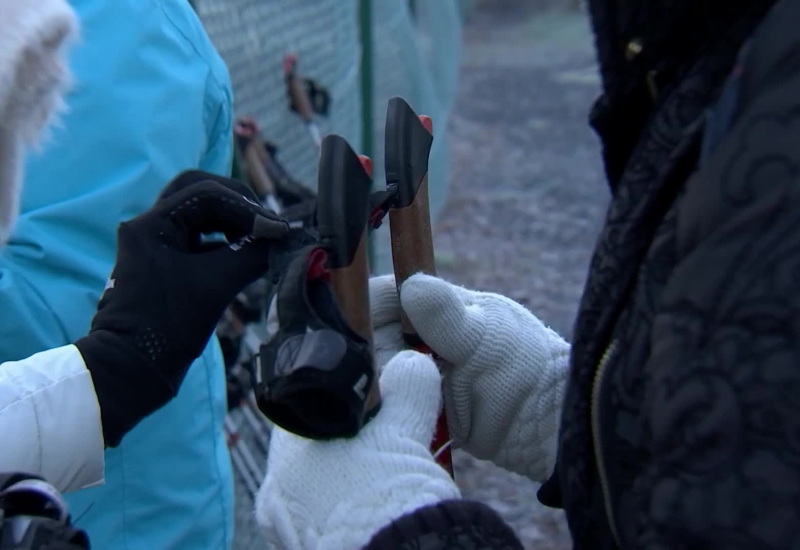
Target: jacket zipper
x,y
597,385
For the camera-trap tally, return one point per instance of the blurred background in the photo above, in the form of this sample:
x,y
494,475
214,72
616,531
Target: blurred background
x,y
516,179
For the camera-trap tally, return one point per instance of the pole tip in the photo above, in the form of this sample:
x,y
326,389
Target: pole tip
x,y
427,123
366,162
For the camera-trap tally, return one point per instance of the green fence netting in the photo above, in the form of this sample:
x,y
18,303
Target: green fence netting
x,y
414,55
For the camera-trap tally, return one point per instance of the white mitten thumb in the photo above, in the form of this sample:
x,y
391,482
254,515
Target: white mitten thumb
x,y
442,315
411,388
384,303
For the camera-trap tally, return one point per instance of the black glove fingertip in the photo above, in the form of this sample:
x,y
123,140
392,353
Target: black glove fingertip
x,y
267,228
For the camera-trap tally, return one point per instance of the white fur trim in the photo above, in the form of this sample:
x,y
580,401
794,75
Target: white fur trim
x,y
34,76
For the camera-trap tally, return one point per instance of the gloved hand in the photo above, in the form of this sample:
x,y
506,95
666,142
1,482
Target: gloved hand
x,y
169,289
505,371
337,494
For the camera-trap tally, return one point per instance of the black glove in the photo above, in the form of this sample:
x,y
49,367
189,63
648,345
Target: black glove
x,y
169,289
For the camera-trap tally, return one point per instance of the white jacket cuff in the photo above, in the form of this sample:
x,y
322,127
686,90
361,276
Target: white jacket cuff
x,y
50,419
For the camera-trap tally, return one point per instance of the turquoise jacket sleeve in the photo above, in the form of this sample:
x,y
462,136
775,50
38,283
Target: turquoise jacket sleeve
x,y
152,98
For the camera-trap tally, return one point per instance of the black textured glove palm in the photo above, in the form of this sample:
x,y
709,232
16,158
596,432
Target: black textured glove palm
x,y
169,289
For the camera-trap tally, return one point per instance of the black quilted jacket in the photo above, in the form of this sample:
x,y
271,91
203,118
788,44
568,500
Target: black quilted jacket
x,y
681,423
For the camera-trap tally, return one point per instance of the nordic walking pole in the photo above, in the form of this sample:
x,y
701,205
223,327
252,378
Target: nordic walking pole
x,y
299,97
255,156
345,182
407,147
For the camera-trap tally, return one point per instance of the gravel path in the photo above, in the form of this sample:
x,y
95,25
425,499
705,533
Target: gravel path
x,y
525,204
526,199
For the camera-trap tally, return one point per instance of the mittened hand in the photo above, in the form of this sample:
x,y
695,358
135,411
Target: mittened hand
x,y
337,494
504,370
385,310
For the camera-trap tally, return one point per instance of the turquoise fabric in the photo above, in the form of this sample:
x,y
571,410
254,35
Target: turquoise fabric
x,y
152,98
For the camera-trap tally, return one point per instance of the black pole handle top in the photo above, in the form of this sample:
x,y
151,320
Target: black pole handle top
x,y
343,200
408,144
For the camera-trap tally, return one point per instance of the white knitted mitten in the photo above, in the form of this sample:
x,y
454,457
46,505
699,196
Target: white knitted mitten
x,y
337,494
504,386
385,311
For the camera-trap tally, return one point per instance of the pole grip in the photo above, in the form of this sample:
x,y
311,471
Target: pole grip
x,y
408,142
344,187
255,155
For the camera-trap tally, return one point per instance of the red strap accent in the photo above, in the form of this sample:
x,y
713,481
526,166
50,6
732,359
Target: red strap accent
x,y
440,439
376,217
426,349
289,62
366,162
427,123
246,127
232,439
316,265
